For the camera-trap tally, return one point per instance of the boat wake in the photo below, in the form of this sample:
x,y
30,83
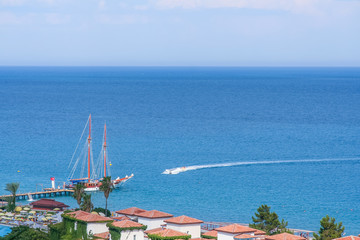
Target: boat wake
x,y
197,167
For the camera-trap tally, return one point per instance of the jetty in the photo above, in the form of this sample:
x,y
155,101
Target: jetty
x,y
41,194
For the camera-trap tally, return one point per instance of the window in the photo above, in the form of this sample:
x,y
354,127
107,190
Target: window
x,y
134,237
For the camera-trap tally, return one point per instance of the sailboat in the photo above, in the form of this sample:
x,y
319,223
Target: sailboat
x,y
92,181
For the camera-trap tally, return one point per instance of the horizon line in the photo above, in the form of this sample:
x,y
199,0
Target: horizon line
x,y
191,66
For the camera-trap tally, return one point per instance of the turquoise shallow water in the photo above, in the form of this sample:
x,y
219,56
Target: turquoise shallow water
x,y
4,230
161,118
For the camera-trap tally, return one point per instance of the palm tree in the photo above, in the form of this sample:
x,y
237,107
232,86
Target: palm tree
x,y
79,191
86,204
12,188
106,187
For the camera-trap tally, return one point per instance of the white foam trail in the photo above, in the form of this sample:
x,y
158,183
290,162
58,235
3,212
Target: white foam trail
x,y
196,167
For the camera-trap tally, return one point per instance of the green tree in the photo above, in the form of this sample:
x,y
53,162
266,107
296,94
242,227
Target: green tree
x,y
79,191
86,204
102,210
107,187
268,221
329,229
12,188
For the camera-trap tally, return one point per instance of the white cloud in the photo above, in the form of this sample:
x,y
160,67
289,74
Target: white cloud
x,y
122,19
55,18
141,7
12,2
102,4
312,7
9,18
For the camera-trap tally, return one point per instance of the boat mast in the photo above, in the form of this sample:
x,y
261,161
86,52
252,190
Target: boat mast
x,y
105,151
89,140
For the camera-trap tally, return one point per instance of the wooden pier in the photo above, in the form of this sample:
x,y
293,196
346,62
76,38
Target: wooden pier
x,y
42,194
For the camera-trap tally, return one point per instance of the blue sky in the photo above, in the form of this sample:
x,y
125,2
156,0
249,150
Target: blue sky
x,y
180,32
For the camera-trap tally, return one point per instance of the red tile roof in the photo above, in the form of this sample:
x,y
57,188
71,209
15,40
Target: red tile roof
x,y
133,211
244,236
235,228
348,238
284,236
211,233
169,233
259,232
126,224
183,220
48,203
198,239
150,231
154,214
77,213
88,217
122,218
104,235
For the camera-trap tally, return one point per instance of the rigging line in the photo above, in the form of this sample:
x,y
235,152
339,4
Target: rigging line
x,y
91,159
82,134
77,161
82,159
108,162
98,168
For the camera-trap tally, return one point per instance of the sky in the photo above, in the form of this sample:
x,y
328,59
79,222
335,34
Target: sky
x,y
180,32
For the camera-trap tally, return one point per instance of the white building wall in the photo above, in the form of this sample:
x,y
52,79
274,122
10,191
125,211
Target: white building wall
x,y
97,228
135,234
192,229
230,236
226,236
151,223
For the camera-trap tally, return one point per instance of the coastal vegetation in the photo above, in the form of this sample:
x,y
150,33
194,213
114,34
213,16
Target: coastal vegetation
x,y
107,187
329,229
11,201
268,222
79,191
86,204
102,210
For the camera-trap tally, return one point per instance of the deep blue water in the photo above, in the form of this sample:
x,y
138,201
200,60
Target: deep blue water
x,y
161,118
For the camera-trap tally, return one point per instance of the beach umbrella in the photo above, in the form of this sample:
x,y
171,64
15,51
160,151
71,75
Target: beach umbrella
x,y
32,212
30,217
49,214
1,210
9,214
23,212
2,214
95,213
29,223
18,216
101,214
18,209
56,209
26,208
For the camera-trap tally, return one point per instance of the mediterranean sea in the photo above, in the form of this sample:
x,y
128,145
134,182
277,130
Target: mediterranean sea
x,y
166,117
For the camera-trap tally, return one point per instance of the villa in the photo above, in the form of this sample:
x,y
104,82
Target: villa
x,y
131,213
153,219
86,223
126,230
284,236
185,224
229,232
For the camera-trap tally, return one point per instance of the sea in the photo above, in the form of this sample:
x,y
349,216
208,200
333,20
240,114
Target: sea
x,y
285,137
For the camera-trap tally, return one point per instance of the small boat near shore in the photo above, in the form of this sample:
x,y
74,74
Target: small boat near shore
x,y
175,170
95,173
